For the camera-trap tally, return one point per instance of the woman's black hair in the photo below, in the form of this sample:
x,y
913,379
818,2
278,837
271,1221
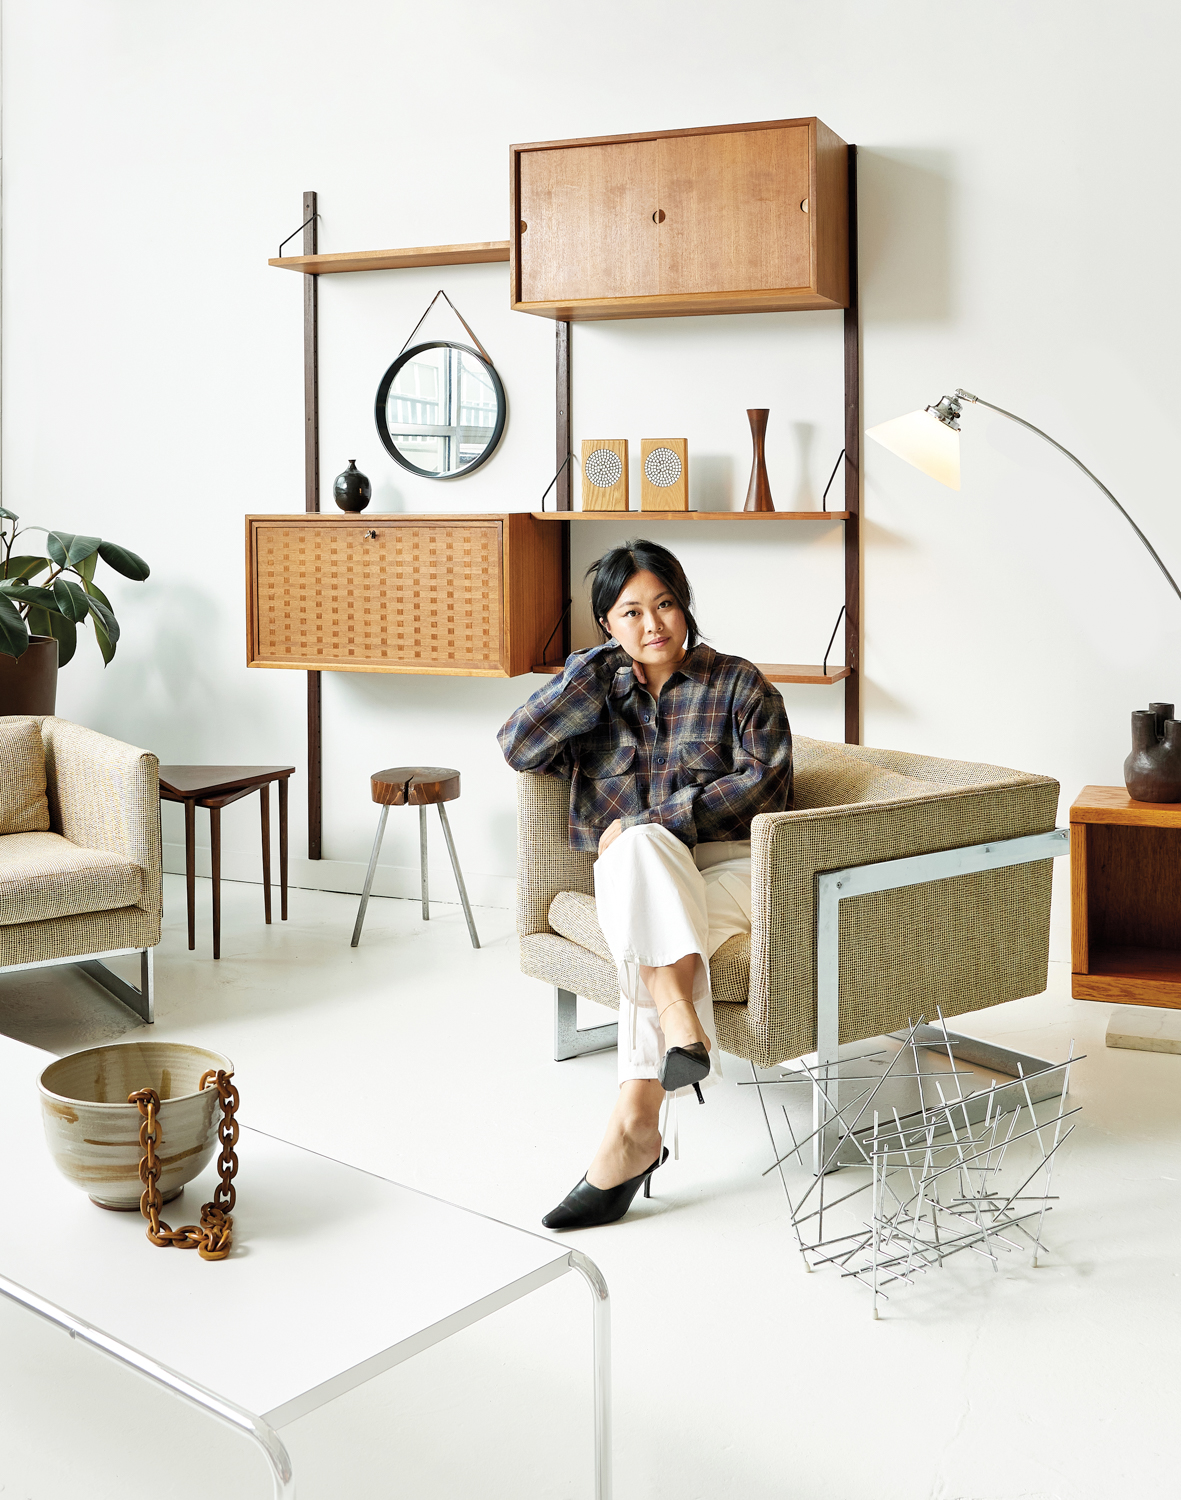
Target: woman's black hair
x,y
612,571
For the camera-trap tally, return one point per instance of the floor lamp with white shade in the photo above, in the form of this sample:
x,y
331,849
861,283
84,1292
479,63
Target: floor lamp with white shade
x,y
930,439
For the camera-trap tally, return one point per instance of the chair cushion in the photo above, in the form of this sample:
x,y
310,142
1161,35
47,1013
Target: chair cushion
x,y
573,915
24,807
43,875
841,782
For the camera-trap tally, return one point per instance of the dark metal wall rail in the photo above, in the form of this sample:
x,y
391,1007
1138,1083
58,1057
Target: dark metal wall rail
x,y
311,484
853,477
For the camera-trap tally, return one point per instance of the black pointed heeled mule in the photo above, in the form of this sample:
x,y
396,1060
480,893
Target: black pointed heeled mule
x,y
586,1206
682,1066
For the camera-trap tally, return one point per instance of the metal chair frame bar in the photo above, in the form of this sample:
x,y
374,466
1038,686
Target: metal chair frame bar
x,y
142,1001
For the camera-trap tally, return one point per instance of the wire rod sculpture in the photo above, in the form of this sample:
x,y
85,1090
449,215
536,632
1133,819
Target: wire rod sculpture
x,y
923,1186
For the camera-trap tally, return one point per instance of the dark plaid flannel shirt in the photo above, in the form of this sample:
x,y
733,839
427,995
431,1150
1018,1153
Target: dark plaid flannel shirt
x,y
714,751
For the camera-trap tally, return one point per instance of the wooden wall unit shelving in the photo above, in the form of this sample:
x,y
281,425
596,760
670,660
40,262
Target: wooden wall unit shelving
x,y
676,223
744,218
455,596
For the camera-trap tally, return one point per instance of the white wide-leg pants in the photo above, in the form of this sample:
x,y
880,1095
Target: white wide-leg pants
x,y
655,905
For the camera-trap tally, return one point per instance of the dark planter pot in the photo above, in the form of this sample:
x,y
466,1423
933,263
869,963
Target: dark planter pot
x,y
28,683
1152,773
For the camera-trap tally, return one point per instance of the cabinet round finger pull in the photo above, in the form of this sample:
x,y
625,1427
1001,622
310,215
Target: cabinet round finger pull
x,y
658,216
524,226
804,205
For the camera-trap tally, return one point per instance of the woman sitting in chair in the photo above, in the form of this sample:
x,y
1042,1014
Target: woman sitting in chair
x,y
671,749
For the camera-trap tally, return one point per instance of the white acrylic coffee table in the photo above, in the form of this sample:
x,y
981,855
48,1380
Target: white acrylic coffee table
x,y
336,1275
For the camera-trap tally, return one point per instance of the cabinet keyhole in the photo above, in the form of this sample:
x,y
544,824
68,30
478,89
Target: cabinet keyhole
x,y
658,216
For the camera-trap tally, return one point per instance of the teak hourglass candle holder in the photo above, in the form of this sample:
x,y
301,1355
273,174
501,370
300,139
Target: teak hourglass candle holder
x,y
758,494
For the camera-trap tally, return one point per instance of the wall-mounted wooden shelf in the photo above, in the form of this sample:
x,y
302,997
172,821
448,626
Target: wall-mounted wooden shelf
x,y
773,671
691,515
394,260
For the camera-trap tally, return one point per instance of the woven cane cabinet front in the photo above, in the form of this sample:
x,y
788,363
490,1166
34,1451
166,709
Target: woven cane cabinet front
x,y
464,596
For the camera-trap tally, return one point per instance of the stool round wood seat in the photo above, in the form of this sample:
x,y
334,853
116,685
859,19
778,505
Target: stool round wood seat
x,y
421,787
414,786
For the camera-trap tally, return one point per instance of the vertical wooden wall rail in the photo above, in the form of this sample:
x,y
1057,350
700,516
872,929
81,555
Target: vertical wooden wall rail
x,y
853,477
311,480
564,448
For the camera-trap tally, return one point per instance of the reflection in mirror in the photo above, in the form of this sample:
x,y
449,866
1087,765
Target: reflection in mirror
x,y
440,410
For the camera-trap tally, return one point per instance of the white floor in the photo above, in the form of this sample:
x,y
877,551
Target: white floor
x,y
736,1374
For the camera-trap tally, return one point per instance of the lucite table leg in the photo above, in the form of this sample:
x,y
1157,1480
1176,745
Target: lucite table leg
x,y
595,1280
278,1460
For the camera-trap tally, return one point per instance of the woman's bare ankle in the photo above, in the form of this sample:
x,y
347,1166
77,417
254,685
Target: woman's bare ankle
x,y
681,1026
630,1145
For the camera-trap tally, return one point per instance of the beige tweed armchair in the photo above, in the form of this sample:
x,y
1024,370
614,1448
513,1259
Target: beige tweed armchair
x,y
900,886
80,870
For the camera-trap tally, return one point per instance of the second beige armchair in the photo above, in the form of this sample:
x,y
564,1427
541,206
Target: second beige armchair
x,y
80,867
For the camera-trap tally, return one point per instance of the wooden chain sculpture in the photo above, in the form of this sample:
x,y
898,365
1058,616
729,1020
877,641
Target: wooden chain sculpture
x,y
212,1237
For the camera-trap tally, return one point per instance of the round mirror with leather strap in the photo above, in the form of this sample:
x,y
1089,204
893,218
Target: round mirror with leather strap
x,y
440,410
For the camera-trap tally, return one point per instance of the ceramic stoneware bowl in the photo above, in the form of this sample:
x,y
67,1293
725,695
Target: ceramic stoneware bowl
x,y
93,1133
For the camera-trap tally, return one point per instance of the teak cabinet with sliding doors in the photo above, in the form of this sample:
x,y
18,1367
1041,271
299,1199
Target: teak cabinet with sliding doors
x,y
460,596
734,218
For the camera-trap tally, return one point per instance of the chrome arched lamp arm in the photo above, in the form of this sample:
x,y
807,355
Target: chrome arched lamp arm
x,y
948,412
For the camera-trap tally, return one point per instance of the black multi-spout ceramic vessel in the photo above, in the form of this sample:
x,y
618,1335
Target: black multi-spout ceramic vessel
x,y
1152,773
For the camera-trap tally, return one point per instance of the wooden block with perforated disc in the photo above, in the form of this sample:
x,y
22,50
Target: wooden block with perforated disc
x,y
664,474
414,786
604,474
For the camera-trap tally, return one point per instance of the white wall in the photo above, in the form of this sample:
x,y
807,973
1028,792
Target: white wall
x,y
1018,237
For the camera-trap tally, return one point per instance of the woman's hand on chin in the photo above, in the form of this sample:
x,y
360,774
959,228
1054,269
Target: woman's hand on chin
x,y
638,672
609,835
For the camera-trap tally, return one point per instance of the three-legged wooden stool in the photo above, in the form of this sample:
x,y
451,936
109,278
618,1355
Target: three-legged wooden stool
x,y
216,787
416,786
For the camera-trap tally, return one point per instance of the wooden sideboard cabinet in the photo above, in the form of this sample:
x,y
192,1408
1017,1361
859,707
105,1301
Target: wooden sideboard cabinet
x,y
463,596
732,218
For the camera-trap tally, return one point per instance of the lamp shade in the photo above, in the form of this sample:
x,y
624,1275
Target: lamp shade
x,y
923,440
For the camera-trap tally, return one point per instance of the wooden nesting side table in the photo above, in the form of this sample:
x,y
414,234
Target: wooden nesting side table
x,y
1125,898
216,787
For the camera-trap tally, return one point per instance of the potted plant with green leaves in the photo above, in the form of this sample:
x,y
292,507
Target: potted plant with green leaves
x,y
44,597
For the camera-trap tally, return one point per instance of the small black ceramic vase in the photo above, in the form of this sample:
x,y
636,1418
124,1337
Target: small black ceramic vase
x,y
1152,773
351,490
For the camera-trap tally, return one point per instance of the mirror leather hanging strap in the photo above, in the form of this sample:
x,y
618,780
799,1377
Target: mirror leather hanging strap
x,y
440,293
